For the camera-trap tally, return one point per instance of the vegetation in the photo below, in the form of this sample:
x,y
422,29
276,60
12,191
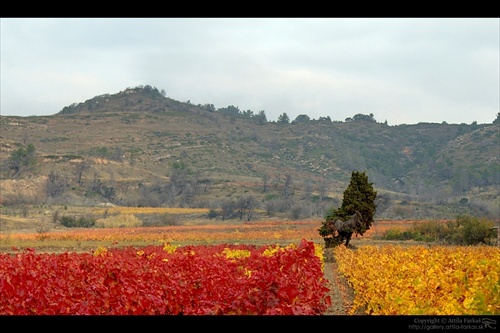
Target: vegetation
x,y
77,222
283,118
58,239
359,197
166,280
21,159
418,280
139,148
465,230
387,279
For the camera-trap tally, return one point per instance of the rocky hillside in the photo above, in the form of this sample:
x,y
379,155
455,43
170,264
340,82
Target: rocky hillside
x,y
138,147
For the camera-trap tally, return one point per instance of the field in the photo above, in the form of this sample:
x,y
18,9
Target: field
x,y
38,229
452,280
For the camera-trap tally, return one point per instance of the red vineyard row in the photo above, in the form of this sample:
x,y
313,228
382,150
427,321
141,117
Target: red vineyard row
x,y
156,280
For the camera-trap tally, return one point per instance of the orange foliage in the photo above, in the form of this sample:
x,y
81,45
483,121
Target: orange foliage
x,y
255,231
261,231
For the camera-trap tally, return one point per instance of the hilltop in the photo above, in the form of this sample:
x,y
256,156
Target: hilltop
x,y
140,148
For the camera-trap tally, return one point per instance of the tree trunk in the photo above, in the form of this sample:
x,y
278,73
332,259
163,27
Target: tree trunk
x,y
348,239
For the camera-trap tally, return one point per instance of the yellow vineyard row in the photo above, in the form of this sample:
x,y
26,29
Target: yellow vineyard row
x,y
392,280
151,210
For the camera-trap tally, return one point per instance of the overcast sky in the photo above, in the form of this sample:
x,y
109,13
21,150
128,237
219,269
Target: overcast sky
x,y
403,70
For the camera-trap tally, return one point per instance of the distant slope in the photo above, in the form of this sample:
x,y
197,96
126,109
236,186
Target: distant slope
x,y
138,137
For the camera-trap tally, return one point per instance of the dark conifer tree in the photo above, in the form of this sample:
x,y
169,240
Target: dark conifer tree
x,y
358,196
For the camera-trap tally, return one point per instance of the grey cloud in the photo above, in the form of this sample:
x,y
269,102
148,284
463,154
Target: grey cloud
x,y
402,70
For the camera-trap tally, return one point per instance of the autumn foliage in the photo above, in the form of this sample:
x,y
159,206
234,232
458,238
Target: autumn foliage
x,y
281,273
266,232
221,279
418,280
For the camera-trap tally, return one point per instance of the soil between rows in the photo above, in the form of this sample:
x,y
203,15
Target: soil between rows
x,y
341,294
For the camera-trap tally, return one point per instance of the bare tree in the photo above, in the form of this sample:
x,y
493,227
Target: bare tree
x,y
187,195
287,189
270,207
321,190
265,182
55,185
246,205
96,184
227,208
308,189
79,170
277,181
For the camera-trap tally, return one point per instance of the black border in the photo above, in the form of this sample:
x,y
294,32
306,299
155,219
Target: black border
x,y
280,323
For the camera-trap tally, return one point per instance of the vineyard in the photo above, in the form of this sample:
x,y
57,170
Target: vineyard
x,y
391,280
159,280
77,239
258,268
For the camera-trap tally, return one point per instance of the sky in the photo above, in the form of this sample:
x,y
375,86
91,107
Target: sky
x,y
401,70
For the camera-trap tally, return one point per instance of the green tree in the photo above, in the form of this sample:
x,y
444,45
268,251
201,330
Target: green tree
x,y
21,158
497,119
301,118
283,118
260,118
231,110
360,197
364,117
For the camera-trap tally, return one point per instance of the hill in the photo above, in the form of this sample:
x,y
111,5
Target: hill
x,y
140,148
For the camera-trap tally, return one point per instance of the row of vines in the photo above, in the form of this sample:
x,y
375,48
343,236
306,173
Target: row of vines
x,y
282,273
420,280
266,231
166,280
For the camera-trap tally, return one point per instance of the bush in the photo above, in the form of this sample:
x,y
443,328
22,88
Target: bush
x,y
475,231
397,234
212,214
465,230
81,222
432,231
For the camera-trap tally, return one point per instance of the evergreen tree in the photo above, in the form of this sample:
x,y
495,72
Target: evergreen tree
x,y
497,119
360,197
283,119
22,158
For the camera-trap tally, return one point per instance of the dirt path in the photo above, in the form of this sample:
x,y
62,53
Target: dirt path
x,y
341,294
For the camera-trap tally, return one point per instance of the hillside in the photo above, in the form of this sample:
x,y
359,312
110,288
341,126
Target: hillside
x,y
140,148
